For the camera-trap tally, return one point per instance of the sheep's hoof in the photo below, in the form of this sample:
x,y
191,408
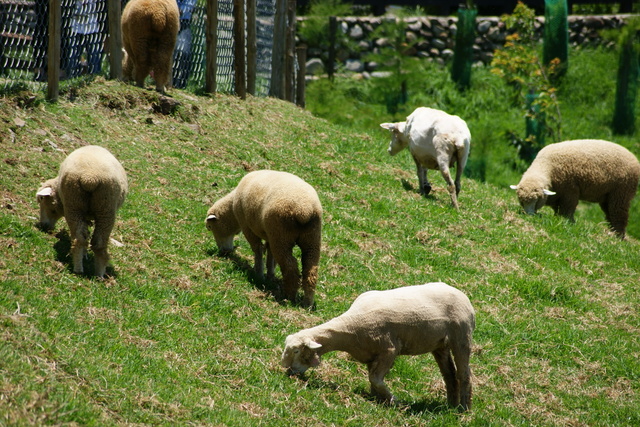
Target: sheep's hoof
x,y
388,401
426,189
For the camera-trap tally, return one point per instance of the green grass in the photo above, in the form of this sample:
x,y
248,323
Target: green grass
x,y
182,336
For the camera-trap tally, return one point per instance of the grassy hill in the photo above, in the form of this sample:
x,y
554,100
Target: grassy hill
x,y
182,336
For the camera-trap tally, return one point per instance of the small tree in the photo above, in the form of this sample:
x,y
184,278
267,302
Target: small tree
x,y
520,65
314,29
395,56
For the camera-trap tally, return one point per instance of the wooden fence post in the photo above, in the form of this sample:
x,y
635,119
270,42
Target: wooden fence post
x,y
53,50
290,48
114,15
301,52
277,56
211,53
251,47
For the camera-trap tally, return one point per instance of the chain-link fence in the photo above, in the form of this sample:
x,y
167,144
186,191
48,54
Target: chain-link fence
x,y
24,36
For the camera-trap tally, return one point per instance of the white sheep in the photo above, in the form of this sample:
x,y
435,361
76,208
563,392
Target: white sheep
x,y
591,170
436,140
284,211
381,325
90,187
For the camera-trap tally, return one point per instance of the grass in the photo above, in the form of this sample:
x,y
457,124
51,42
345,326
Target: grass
x,y
181,335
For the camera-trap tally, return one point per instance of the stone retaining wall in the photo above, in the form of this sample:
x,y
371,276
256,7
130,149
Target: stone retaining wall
x,y
436,38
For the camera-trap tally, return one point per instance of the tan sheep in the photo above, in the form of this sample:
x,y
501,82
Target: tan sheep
x,y
149,32
90,187
591,170
284,211
382,325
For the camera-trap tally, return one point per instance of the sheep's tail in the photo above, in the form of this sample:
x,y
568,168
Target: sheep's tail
x,y
90,183
308,219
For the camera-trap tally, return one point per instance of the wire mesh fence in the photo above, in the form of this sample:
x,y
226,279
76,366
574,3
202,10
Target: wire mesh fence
x,y
24,35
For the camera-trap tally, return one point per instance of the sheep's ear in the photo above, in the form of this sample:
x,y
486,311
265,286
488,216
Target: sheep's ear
x,y
313,345
43,192
389,126
548,192
211,217
514,187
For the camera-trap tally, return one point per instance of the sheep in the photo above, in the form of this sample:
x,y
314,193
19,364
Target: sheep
x,y
281,209
436,140
381,325
149,33
591,170
90,187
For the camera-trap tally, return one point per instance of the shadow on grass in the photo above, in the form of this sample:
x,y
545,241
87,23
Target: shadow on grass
x,y
407,186
63,255
431,406
271,286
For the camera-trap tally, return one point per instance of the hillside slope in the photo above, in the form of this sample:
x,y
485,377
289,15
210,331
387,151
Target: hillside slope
x,y
181,335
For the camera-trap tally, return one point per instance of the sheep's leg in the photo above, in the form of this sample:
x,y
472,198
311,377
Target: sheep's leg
x,y
448,371
79,233
271,263
283,255
462,354
566,206
423,183
310,248
378,369
100,242
443,165
460,165
616,211
162,65
141,62
256,246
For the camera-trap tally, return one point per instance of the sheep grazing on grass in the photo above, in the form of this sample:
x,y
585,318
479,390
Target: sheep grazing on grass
x,y
149,33
90,187
284,211
436,140
591,170
381,325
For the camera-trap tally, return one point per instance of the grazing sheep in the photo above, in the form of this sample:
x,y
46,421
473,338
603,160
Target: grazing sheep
x,y
90,187
592,170
284,211
381,325
436,140
149,33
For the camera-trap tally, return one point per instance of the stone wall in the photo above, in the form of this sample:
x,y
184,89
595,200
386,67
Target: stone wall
x,y
435,38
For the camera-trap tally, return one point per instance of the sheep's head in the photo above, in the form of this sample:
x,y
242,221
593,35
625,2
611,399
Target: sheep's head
x,y
398,140
222,223
532,198
300,354
51,209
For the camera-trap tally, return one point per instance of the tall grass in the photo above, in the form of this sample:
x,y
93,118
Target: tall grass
x,y
179,335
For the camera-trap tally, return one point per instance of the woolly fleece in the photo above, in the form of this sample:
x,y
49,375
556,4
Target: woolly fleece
x,y
89,189
149,33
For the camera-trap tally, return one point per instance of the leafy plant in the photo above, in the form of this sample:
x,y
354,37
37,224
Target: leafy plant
x,y
314,29
520,65
395,55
